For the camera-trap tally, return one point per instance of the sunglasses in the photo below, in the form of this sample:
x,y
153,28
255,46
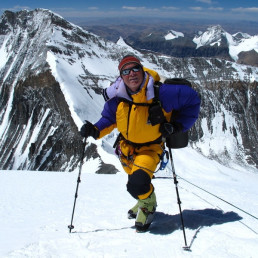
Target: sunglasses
x,y
135,69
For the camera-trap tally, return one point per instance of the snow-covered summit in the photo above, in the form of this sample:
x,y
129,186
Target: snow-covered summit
x,y
172,34
236,43
121,42
214,35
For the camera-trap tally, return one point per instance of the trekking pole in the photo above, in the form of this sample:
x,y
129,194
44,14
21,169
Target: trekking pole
x,y
78,181
186,247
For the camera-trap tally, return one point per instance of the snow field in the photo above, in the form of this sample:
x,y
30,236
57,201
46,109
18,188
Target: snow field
x,y
36,208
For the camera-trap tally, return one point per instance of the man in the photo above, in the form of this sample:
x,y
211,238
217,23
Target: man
x,y
140,146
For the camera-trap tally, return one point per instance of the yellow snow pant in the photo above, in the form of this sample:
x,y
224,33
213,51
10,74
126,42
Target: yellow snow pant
x,y
140,163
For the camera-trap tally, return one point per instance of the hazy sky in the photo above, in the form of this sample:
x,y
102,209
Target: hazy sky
x,y
213,9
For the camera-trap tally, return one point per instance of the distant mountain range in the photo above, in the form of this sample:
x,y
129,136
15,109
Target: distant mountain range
x,y
212,42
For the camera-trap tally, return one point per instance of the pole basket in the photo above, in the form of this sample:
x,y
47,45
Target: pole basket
x,y
71,227
187,248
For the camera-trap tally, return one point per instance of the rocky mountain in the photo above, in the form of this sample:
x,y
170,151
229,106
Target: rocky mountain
x,y
51,77
38,130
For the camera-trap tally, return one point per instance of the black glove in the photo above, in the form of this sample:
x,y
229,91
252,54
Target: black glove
x,y
88,129
156,115
170,128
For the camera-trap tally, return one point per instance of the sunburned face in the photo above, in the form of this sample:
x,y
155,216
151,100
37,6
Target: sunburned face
x,y
135,78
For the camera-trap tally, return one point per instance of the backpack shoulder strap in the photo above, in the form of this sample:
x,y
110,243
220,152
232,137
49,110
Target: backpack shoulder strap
x,y
156,91
178,81
171,81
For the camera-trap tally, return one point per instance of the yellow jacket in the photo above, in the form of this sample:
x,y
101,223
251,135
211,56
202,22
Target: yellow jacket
x,y
131,119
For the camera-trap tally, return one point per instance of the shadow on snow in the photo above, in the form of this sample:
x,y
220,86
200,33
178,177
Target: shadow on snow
x,y
164,224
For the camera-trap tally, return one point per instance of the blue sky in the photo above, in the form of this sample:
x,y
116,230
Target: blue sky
x,y
213,9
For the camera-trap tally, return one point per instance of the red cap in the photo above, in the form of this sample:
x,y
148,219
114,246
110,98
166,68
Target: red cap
x,y
128,60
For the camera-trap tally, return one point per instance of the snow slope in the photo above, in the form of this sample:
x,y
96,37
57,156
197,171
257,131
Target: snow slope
x,y
36,209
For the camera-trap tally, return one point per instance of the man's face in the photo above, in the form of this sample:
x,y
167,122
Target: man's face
x,y
134,79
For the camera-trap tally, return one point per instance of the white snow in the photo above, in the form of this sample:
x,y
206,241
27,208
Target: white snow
x,y
210,37
173,35
36,208
3,52
121,42
77,98
219,138
245,45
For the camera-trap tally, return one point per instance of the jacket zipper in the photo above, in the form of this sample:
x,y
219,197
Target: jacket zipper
x,y
128,120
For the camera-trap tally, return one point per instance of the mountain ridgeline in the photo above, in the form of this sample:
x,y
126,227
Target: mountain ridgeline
x,y
215,42
51,77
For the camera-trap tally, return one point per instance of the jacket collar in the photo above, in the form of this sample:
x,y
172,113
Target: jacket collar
x,y
122,92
